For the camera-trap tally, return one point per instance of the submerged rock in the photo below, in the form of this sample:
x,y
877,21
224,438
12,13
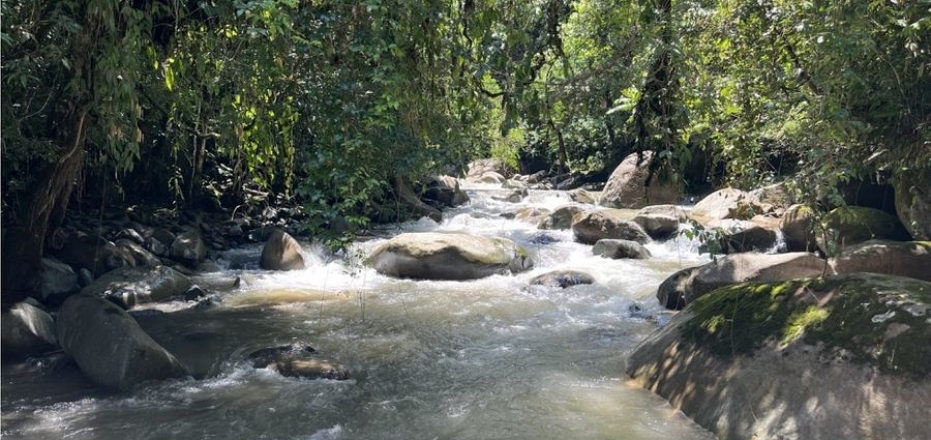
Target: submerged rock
x,y
819,359
619,249
561,217
109,346
281,252
448,256
297,360
562,279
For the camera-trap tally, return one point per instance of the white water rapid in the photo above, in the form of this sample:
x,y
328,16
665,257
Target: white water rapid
x,y
485,359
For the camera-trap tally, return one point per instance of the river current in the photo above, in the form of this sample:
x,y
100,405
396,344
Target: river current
x,y
486,359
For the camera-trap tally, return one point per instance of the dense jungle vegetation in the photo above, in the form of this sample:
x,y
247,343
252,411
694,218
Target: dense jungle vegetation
x,y
325,103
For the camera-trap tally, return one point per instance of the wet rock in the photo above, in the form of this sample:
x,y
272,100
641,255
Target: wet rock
x,y
27,330
189,248
685,286
480,167
580,195
445,191
620,249
855,224
561,217
448,256
281,252
562,279
109,346
513,196
752,239
660,221
798,228
626,188
297,360
852,343
531,215
140,255
543,238
130,234
57,280
902,258
138,285
93,253
591,226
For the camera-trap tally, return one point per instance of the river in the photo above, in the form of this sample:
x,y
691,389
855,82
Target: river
x,y
485,359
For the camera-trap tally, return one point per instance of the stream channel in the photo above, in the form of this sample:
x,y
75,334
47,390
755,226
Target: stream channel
x,y
487,359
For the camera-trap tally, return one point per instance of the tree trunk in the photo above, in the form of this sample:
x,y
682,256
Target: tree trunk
x,y
23,246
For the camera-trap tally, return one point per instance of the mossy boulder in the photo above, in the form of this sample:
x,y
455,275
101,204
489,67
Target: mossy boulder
x,y
903,258
849,225
846,356
448,256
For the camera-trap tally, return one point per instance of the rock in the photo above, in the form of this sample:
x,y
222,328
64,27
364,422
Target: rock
x,y
618,249
189,248
902,258
130,234
580,195
448,256
159,241
109,346
208,267
140,255
491,177
281,252
798,228
297,360
480,167
27,330
717,206
85,277
849,225
752,239
57,280
514,184
913,201
591,226
138,285
561,217
562,279
687,285
513,196
531,215
772,198
841,357
93,253
445,191
661,221
626,186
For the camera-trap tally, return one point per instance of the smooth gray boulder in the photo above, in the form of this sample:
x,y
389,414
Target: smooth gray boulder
x,y
561,217
138,285
57,280
902,258
562,279
281,252
26,331
591,226
627,186
109,346
620,249
188,248
448,256
661,221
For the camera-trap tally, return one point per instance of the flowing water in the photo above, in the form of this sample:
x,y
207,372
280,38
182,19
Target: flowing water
x,y
485,359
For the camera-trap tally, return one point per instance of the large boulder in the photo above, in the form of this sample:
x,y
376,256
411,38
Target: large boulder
x,y
798,228
849,225
754,238
444,191
661,221
109,346
57,280
138,285
718,206
627,186
591,226
480,167
687,285
562,279
620,249
189,248
903,258
281,252
27,331
913,201
561,217
841,357
93,253
448,256
529,214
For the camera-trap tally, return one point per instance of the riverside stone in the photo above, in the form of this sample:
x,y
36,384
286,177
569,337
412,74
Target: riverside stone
x,y
449,256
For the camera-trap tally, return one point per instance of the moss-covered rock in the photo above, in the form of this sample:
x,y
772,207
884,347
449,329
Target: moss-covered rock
x,y
448,256
849,225
846,356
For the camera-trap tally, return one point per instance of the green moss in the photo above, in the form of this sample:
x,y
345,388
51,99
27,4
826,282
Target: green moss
x,y
866,318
